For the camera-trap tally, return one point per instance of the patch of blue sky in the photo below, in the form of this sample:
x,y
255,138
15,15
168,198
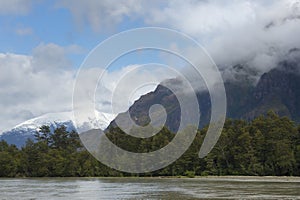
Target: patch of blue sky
x,y
46,23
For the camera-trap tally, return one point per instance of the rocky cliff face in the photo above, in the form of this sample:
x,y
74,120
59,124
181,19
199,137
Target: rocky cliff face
x,y
278,90
139,111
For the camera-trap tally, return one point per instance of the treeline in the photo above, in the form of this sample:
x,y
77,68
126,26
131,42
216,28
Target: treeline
x,y
267,146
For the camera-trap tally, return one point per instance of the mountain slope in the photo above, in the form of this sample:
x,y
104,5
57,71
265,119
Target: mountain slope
x,y
20,133
277,90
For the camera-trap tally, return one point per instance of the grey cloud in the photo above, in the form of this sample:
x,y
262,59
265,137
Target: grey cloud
x,y
47,57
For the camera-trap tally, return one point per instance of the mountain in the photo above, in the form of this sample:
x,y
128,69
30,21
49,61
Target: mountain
x,y
20,133
277,90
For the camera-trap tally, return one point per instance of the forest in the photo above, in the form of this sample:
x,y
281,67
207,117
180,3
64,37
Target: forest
x,y
268,145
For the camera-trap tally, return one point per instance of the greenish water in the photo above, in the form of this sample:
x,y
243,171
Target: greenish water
x,y
151,188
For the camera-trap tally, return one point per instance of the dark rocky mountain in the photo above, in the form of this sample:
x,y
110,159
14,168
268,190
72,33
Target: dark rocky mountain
x,y
162,95
277,90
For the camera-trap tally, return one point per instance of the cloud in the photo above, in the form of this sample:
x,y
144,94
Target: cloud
x,y
119,89
50,57
202,17
15,7
254,33
34,84
24,31
100,15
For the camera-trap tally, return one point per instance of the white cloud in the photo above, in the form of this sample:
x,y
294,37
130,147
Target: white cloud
x,y
15,7
202,17
100,14
34,84
258,33
233,31
119,89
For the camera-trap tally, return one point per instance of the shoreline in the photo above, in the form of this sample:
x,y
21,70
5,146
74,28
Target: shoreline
x,y
206,178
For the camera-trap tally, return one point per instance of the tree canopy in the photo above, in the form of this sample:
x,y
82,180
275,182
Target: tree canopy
x,y
267,145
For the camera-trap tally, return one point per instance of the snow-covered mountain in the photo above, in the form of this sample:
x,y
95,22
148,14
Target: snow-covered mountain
x,y
20,133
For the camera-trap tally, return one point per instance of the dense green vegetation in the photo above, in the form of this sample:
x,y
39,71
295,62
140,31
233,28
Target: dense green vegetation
x,y
268,145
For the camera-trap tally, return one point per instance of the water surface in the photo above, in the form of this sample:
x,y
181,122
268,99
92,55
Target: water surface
x,y
151,188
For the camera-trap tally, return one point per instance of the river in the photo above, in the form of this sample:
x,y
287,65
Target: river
x,y
151,188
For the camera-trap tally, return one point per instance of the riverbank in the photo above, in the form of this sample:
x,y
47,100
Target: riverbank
x,y
295,179
253,178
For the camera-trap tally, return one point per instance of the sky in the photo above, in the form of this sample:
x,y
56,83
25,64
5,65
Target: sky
x,y
44,42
